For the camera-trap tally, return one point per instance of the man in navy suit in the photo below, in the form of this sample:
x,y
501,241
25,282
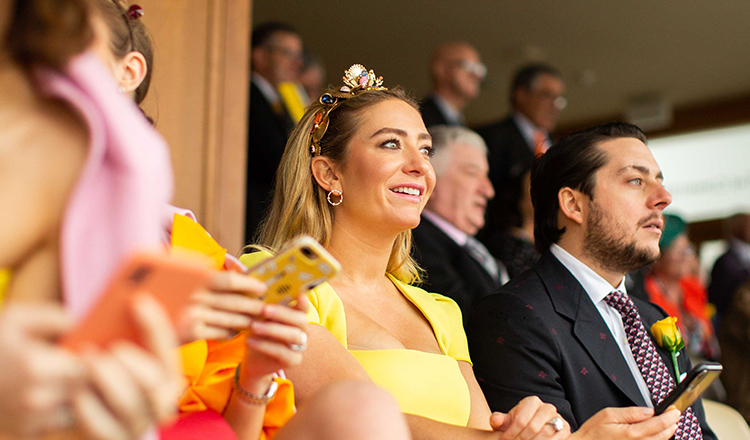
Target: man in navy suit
x,y
276,58
566,330
536,98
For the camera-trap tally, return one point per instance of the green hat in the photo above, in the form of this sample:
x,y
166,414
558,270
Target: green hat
x,y
673,227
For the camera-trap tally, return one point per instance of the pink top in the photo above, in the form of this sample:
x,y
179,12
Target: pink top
x,y
117,205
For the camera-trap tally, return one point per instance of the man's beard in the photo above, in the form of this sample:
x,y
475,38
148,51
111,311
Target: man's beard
x,y
606,242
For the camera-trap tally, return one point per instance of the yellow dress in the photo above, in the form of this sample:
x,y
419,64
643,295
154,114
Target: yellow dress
x,y
424,384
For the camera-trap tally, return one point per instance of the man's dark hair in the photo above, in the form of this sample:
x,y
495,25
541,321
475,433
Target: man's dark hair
x,y
526,75
572,162
264,31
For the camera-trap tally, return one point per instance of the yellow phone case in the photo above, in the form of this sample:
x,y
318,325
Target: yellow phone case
x,y
300,266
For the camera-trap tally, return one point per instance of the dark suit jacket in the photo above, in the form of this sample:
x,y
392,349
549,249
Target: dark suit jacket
x,y
728,274
431,113
267,135
451,270
542,335
509,154
509,157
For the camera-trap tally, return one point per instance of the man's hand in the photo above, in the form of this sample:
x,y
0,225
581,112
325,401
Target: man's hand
x,y
629,423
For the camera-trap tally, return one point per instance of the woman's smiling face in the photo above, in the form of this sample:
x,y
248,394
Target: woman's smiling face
x,y
387,177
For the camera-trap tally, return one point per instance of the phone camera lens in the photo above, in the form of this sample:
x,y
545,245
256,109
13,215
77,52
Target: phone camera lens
x,y
307,252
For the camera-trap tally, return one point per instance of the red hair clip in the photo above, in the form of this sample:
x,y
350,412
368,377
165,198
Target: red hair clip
x,y
135,12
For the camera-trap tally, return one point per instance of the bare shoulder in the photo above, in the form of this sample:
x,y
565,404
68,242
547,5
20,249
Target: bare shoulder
x,y
43,147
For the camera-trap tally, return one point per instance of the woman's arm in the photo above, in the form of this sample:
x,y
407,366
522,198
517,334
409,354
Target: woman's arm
x,y
231,304
327,361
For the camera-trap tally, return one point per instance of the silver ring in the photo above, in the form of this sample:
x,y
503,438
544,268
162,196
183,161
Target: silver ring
x,y
301,346
557,424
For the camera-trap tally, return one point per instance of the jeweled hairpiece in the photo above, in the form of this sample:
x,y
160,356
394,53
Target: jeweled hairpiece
x,y
357,79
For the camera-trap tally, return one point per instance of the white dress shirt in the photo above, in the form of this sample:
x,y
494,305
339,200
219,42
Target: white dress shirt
x,y
597,288
266,89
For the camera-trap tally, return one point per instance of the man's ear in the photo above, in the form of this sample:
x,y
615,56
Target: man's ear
x,y
324,172
134,70
572,204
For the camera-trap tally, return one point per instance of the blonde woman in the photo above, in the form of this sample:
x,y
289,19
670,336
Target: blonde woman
x,y
356,175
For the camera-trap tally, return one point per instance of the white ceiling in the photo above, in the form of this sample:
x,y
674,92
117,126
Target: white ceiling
x,y
687,51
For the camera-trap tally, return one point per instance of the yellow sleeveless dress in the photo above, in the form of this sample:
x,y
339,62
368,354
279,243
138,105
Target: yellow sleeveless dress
x,y
424,384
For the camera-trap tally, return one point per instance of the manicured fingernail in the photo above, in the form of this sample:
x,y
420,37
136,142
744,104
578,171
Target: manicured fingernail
x,y
648,411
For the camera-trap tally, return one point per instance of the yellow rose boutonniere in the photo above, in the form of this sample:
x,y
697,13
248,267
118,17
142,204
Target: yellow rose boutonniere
x,y
668,337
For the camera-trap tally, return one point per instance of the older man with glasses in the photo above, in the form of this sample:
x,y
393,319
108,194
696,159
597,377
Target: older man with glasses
x,y
276,58
457,72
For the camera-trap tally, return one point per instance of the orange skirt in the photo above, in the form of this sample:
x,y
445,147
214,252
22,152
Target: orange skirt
x,y
209,367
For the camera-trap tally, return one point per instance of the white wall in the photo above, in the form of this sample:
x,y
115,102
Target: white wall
x,y
707,172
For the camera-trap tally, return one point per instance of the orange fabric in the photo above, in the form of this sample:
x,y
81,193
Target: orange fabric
x,y
209,367
694,300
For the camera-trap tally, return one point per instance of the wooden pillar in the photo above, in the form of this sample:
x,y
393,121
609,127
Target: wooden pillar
x,y
199,101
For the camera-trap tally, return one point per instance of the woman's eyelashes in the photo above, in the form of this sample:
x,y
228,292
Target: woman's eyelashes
x,y
392,144
395,144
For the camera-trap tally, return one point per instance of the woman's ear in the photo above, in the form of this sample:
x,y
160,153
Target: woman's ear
x,y
133,71
324,172
572,204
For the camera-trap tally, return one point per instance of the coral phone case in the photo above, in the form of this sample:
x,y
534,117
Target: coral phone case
x,y
170,280
299,267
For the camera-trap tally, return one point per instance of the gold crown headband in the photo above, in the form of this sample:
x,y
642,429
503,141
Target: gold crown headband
x,y
357,79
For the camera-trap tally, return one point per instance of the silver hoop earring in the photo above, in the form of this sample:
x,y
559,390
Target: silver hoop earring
x,y
335,192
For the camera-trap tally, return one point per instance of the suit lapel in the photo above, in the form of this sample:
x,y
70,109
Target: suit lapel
x,y
570,300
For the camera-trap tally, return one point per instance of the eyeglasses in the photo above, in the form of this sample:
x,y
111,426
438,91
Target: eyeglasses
x,y
476,68
560,102
286,52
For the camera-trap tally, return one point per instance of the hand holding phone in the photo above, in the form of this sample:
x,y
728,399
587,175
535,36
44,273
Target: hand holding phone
x,y
169,280
300,266
688,391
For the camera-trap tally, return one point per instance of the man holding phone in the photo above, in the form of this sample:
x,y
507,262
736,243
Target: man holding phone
x,y
566,330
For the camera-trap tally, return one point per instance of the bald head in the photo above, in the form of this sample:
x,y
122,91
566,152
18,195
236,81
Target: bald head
x,y
457,72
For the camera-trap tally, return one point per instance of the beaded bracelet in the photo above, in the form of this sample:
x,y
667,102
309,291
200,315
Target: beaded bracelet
x,y
250,397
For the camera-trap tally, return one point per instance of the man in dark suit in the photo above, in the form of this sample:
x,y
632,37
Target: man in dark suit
x,y
733,268
536,101
566,330
457,265
276,58
457,72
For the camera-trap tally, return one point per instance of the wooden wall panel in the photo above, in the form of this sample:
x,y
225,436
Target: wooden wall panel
x,y
199,101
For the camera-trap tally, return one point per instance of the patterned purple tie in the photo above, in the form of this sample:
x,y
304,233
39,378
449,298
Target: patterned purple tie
x,y
652,368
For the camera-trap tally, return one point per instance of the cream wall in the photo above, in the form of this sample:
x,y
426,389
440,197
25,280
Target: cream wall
x,y
198,98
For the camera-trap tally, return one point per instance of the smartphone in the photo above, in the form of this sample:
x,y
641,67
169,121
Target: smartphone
x,y
300,266
170,280
696,381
